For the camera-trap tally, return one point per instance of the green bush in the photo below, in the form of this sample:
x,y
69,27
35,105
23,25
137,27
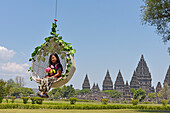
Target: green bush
x,y
115,102
104,101
72,100
145,102
1,98
81,106
39,100
169,101
164,102
135,101
33,99
13,99
125,102
25,99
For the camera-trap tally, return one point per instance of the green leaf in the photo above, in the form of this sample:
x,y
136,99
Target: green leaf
x,y
56,35
31,78
60,41
60,37
68,65
67,70
73,51
68,59
47,39
30,59
62,75
66,75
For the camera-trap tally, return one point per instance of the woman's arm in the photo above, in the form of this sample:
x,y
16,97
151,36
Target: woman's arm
x,y
58,74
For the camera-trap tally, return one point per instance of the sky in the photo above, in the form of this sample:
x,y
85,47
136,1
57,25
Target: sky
x,y
107,34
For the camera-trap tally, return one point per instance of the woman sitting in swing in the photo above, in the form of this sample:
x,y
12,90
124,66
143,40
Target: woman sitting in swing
x,y
53,74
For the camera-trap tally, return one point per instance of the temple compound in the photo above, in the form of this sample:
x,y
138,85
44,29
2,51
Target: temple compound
x,y
141,78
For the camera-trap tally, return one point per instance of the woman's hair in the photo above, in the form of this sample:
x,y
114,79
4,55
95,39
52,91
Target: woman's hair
x,y
58,60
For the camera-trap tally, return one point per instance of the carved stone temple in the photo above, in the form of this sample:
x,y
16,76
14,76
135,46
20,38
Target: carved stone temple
x,y
107,83
119,84
141,78
86,84
167,77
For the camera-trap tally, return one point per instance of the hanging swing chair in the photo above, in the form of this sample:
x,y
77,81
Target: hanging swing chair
x,y
40,58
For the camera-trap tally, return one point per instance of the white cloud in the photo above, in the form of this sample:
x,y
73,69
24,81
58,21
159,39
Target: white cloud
x,y
6,54
14,67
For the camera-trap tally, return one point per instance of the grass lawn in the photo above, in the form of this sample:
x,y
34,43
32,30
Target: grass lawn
x,y
76,111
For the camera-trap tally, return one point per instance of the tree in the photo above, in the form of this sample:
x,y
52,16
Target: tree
x,y
113,93
15,91
156,13
4,88
163,93
20,81
152,95
55,93
132,90
26,91
67,91
11,83
140,94
83,91
21,91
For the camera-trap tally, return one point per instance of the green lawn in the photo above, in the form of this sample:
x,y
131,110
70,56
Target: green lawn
x,y
73,111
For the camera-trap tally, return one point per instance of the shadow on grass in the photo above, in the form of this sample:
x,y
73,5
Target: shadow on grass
x,y
153,111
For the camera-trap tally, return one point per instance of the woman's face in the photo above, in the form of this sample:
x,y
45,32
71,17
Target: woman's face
x,y
53,59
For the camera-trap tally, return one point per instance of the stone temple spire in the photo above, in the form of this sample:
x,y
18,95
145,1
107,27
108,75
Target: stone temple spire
x,y
97,87
134,83
144,76
158,87
107,83
86,84
127,93
119,83
167,77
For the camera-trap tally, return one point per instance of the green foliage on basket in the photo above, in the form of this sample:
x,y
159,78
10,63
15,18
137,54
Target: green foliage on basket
x,y
66,47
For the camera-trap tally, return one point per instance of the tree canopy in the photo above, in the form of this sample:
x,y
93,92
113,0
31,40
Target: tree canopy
x,y
4,88
113,93
156,13
140,94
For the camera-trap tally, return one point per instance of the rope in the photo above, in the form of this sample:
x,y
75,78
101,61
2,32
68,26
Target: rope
x,y
56,10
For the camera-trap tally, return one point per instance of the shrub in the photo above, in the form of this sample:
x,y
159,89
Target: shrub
x,y
1,98
33,99
135,101
13,98
80,106
115,102
104,101
169,101
72,100
125,102
25,99
39,100
164,102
